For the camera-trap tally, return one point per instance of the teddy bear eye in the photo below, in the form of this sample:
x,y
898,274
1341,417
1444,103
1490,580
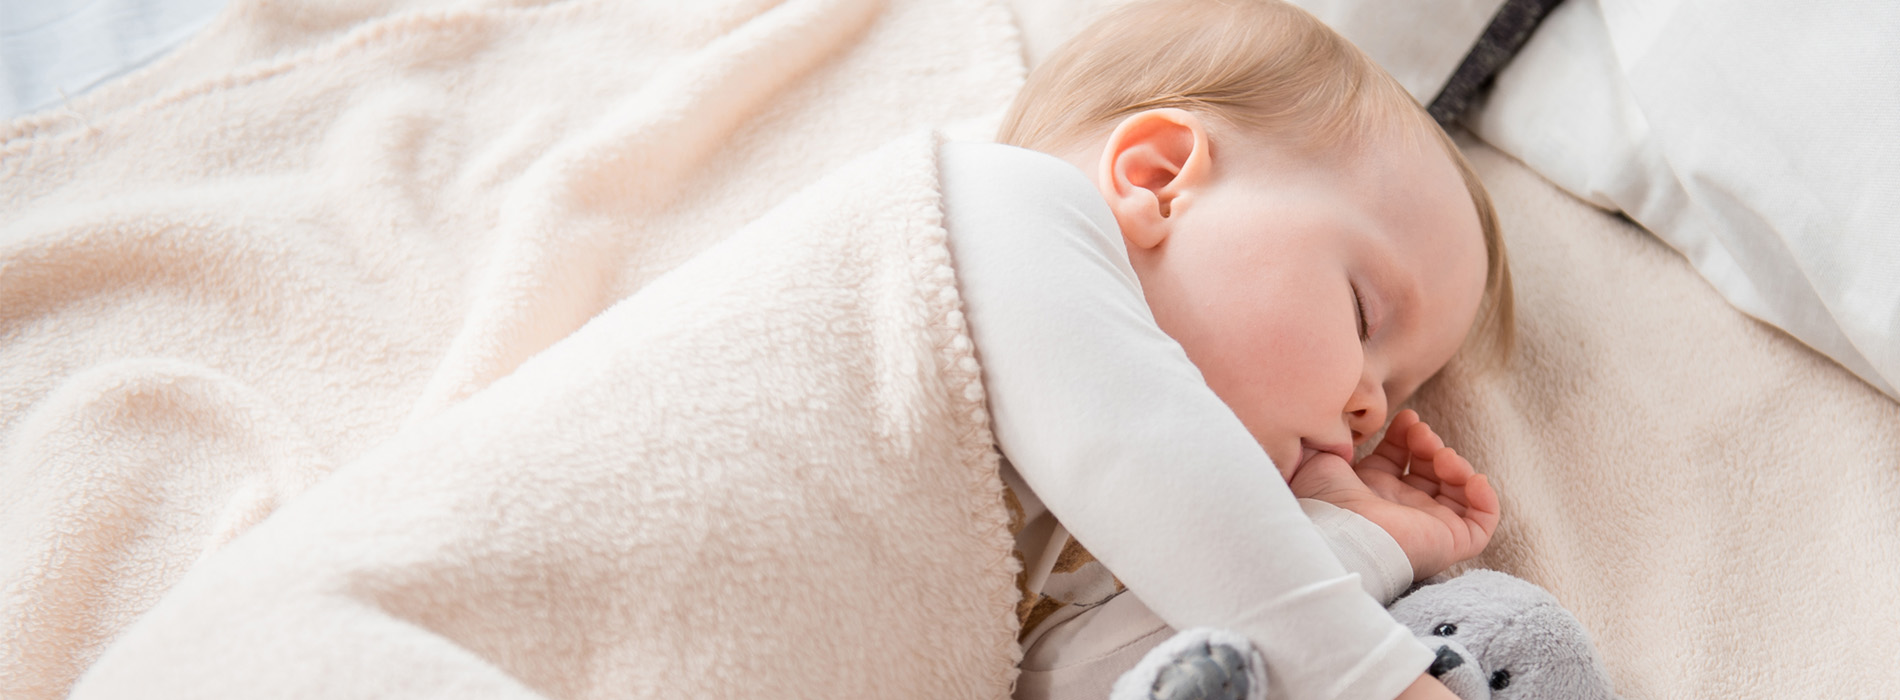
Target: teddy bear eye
x,y
1500,680
1445,630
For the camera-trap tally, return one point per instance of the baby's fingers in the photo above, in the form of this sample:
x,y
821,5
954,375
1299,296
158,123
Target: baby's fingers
x,y
1446,468
1482,498
1423,441
1441,466
1393,453
1480,501
1401,426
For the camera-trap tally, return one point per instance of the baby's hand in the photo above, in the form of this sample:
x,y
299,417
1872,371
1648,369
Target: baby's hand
x,y
1441,512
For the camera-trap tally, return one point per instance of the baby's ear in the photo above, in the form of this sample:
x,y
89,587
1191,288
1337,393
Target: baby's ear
x,y
1151,161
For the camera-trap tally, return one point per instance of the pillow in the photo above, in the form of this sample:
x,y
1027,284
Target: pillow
x,y
1760,139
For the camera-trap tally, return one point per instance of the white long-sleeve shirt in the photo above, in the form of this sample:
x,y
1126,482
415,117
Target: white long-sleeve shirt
x,y
1106,424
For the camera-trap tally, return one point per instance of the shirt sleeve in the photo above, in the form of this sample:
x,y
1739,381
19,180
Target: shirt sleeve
x,y
1365,549
1115,430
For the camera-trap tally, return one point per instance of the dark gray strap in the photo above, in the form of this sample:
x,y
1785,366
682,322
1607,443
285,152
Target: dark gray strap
x,y
1508,31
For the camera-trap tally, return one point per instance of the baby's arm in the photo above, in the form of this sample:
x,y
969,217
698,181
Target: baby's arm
x,y
1115,430
1422,493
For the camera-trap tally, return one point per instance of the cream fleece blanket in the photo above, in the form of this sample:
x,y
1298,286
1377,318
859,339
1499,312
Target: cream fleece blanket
x,y
504,349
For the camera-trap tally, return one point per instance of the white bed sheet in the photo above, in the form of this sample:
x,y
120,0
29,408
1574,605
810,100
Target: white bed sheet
x,y
53,50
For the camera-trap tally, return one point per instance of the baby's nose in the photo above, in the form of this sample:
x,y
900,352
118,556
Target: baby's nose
x,y
1362,424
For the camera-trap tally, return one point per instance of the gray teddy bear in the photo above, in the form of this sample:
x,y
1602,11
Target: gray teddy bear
x,y
1496,636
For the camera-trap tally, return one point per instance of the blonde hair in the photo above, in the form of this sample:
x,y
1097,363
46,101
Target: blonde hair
x,y
1263,66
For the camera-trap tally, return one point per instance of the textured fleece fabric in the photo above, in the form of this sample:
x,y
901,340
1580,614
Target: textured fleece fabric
x,y
504,350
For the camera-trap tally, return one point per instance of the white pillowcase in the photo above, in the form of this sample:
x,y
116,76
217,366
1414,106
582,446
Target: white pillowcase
x,y
1761,139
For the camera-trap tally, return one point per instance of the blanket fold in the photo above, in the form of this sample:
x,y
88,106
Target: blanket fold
x,y
769,473
267,311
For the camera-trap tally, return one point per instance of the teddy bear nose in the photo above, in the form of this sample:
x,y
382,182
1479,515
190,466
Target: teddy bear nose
x,y
1445,661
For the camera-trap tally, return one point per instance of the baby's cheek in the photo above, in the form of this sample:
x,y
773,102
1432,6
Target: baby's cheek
x,y
1316,375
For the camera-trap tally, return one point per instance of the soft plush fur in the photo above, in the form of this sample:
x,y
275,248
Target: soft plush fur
x,y
1498,636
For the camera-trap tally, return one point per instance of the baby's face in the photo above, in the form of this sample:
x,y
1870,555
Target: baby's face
x,y
1317,292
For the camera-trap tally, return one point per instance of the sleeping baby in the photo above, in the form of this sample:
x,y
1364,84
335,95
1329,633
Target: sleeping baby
x,y
1215,247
